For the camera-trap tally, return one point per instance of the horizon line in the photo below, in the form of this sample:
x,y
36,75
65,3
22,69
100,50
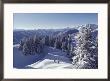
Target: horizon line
x,y
75,26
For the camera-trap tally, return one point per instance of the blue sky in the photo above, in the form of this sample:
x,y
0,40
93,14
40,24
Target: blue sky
x,y
52,20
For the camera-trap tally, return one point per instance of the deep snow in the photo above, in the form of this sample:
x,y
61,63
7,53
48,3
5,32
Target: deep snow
x,y
51,58
20,60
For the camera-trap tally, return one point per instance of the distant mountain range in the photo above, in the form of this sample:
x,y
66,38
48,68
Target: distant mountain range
x,y
18,34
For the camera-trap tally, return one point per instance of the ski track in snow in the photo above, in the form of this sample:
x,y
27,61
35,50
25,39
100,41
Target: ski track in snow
x,y
52,59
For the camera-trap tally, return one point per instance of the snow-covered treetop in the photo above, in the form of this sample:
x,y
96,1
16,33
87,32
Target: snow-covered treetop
x,y
91,26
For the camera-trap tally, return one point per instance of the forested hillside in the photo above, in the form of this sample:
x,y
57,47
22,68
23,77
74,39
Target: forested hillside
x,y
76,46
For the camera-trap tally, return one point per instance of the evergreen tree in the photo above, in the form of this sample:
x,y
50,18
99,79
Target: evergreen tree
x,y
47,40
83,52
36,42
31,45
26,50
69,44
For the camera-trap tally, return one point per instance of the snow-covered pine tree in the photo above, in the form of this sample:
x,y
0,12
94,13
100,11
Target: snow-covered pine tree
x,y
26,49
40,46
83,54
56,43
51,40
31,45
63,44
36,41
69,44
43,41
47,40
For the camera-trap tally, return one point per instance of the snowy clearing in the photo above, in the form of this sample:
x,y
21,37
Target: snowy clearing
x,y
52,59
50,64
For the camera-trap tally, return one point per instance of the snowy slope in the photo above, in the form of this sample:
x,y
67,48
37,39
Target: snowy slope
x,y
20,60
52,59
50,64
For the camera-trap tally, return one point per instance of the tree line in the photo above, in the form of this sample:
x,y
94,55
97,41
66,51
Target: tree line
x,y
32,45
35,44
